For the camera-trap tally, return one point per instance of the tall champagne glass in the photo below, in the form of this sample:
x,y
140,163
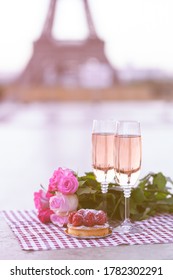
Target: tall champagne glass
x,y
102,152
128,152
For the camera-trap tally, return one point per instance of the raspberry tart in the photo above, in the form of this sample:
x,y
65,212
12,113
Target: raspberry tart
x,y
88,223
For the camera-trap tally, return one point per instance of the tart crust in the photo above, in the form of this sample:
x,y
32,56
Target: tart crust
x,y
84,231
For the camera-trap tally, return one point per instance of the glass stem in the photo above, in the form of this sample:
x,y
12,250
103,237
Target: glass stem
x,y
127,193
104,187
104,190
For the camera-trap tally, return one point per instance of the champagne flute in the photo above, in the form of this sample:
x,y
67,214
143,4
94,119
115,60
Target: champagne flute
x,y
102,152
128,152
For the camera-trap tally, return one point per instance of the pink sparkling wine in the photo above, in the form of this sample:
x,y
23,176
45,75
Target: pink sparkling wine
x,y
127,159
103,156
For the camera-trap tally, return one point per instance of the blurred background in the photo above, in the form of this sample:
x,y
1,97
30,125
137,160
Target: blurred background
x,y
64,63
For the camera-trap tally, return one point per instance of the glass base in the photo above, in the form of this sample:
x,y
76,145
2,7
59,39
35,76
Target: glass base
x,y
127,227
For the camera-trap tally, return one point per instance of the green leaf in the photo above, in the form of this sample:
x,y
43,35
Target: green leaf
x,y
86,190
138,195
160,181
160,196
153,195
82,183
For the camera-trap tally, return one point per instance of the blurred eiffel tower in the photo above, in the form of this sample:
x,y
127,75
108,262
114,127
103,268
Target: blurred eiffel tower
x,y
75,63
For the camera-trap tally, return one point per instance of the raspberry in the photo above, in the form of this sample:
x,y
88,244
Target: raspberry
x,y
70,216
89,219
101,217
77,220
81,211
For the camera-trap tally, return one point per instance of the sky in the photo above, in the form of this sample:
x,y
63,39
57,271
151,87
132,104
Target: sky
x,y
137,33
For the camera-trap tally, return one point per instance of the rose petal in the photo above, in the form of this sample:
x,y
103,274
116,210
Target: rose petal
x,y
59,220
44,216
40,200
63,203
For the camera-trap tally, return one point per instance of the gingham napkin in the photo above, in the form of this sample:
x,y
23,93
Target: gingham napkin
x,y
33,235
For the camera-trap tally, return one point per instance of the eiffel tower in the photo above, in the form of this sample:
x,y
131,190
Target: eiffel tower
x,y
75,63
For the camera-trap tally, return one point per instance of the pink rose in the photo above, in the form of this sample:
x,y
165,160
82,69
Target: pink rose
x,y
44,215
42,204
40,200
60,199
68,184
63,180
63,204
59,220
55,179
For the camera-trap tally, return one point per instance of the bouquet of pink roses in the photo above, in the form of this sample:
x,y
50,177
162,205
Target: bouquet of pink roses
x,y
55,204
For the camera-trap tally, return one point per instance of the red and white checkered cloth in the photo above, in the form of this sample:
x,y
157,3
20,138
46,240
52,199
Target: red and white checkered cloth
x,y
33,235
